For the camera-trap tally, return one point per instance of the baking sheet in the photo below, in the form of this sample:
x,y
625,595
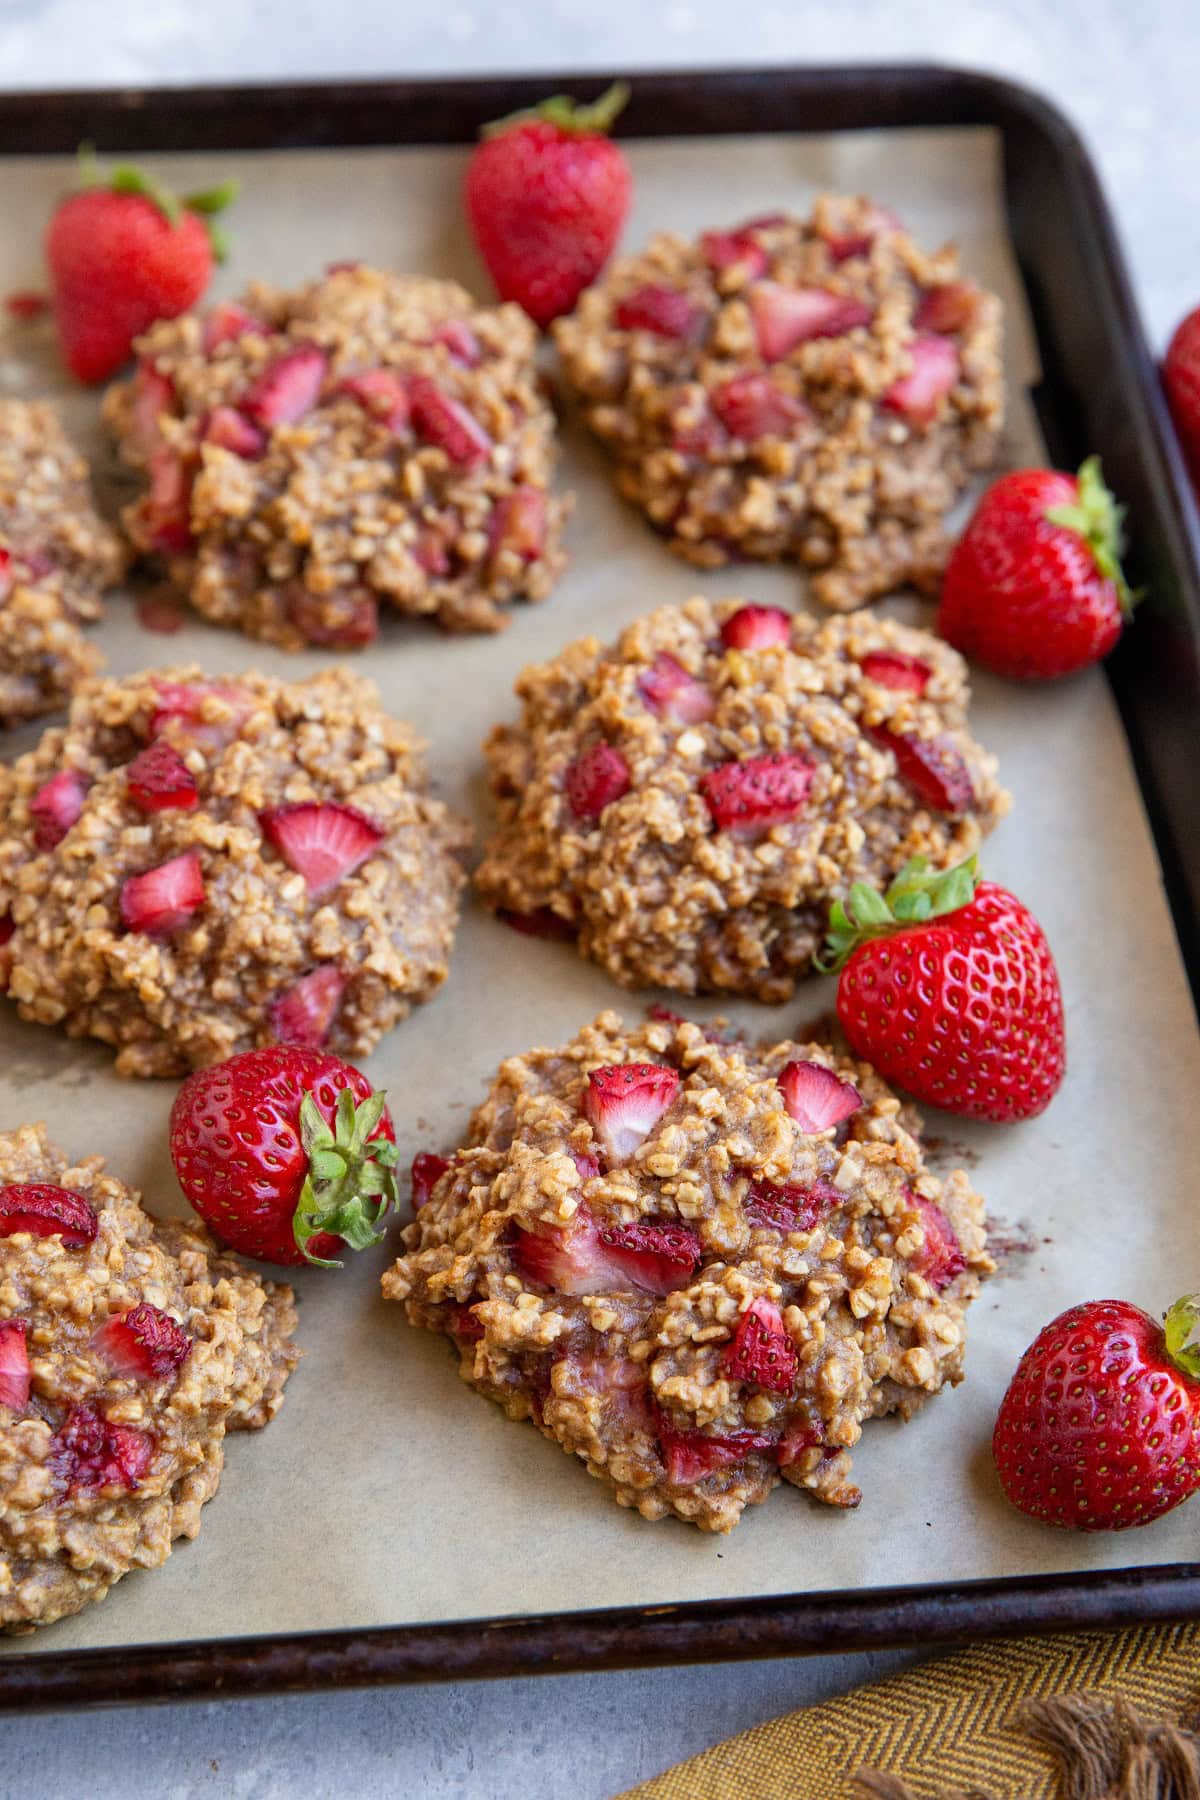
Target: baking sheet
x,y
387,1492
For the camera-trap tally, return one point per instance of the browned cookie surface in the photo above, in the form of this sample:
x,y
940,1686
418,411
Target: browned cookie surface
x,y
370,439
816,390
127,1350
681,1280
190,868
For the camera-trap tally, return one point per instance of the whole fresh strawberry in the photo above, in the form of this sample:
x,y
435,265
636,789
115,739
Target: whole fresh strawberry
x,y
948,987
1034,587
1100,1427
122,256
288,1154
547,193
1181,378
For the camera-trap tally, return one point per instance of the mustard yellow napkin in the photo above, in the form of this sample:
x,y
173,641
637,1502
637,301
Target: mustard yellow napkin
x,y
954,1726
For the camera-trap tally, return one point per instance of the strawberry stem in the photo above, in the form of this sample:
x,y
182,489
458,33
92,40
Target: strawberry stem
x,y
592,120
1181,1321
351,1182
918,894
126,179
1100,522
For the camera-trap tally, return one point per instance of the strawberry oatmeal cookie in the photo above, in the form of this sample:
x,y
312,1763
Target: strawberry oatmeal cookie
x,y
817,391
57,556
698,1264
190,868
128,1347
367,438
688,801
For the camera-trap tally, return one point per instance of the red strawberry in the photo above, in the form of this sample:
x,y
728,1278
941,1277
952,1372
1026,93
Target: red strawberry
x,y
761,1351
571,1261
147,1344
159,780
323,841
934,768
698,433
657,1255
164,898
381,392
815,1097
672,693
665,311
165,512
461,342
1034,587
427,1171
88,1452
625,1101
749,797
857,241
733,250
288,1154
950,990
949,308
57,806
464,1324
1100,1427
231,430
122,257
941,1258
153,397
791,1207
518,524
918,395
785,316
44,1210
547,193
226,322
751,406
654,1256
756,628
288,388
544,922
26,304
595,779
689,1456
183,708
1181,378
893,669
345,619
14,1364
304,1013
446,422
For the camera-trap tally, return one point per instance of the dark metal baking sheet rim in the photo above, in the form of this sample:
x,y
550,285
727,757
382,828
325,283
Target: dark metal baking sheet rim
x,y
1100,390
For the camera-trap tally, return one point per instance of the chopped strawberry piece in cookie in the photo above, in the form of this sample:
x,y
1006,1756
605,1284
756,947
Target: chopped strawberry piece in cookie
x,y
595,780
153,396
571,1261
228,321
304,1013
919,395
446,422
657,1255
785,316
651,1256
344,619
934,768
625,1101
288,388
231,430
324,842
14,1365
750,797
543,922
158,780
952,307
842,245
163,899
518,524
147,1344
427,1171
461,342
756,628
166,511
752,406
665,311
381,392
942,1257
689,1456
733,250
761,1351
815,1097
672,693
44,1210
893,669
57,806
791,1206
465,1324
799,1434
89,1453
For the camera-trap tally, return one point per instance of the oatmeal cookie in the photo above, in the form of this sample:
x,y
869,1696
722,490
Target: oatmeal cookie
x,y
689,801
127,1349
367,438
818,391
698,1264
57,556
191,868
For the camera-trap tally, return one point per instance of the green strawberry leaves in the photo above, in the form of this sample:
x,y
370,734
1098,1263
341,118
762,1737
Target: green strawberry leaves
x,y
1181,1321
124,178
917,895
351,1182
593,120
1101,523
